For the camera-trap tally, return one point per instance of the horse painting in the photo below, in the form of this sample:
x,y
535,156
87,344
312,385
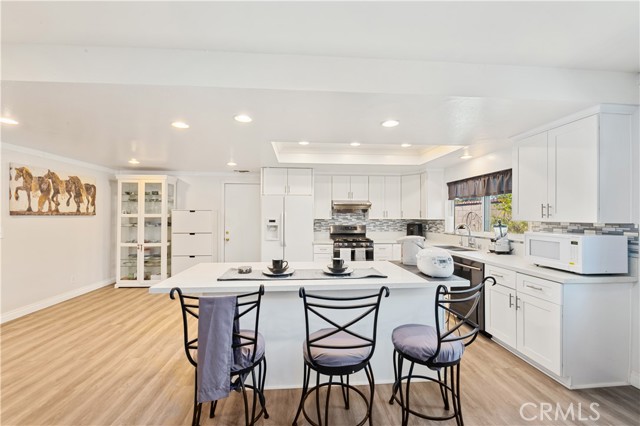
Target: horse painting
x,y
27,181
53,191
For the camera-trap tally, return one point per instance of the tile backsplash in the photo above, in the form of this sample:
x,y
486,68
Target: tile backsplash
x,y
374,225
628,229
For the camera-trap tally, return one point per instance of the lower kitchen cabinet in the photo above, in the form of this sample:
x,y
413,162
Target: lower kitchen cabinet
x,y
501,315
386,251
322,252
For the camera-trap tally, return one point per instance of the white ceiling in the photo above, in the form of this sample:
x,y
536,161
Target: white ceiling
x,y
107,124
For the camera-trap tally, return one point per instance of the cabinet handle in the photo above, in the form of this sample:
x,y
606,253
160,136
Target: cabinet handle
x,y
192,257
542,210
467,266
548,210
192,211
497,275
192,233
533,287
510,300
517,300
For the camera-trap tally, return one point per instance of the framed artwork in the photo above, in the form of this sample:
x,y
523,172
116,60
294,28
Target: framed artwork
x,y
38,191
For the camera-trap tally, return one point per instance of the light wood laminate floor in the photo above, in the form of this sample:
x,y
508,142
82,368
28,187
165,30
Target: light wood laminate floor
x,y
115,357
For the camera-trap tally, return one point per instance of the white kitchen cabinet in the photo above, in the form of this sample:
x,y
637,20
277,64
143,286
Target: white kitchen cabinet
x,y
384,194
350,187
501,315
144,229
192,238
411,196
323,252
287,181
322,197
577,170
386,251
432,195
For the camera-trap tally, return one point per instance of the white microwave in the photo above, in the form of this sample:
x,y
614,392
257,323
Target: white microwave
x,y
579,253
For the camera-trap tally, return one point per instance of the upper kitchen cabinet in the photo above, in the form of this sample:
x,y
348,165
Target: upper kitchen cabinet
x,y
576,170
410,194
144,229
384,194
350,187
322,197
283,181
432,195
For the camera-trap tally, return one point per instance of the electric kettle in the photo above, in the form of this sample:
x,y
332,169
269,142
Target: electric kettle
x,y
411,245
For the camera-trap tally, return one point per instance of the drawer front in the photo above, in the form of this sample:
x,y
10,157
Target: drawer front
x,y
542,289
185,221
192,244
323,249
322,257
180,263
503,276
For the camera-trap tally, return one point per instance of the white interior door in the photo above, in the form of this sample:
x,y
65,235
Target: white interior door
x,y
241,222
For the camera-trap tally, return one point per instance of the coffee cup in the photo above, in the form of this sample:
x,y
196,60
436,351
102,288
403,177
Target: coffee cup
x,y
338,263
279,264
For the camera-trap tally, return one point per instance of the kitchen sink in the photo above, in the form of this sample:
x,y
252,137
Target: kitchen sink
x,y
455,248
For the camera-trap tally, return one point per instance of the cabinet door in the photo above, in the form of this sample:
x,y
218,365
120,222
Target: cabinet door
x,y
322,197
392,197
359,187
531,176
382,251
377,197
299,181
396,252
274,181
540,331
411,197
432,195
574,196
501,318
340,188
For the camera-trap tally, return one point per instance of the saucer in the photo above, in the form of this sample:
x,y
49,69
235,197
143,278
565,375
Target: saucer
x,y
284,273
277,271
337,270
328,271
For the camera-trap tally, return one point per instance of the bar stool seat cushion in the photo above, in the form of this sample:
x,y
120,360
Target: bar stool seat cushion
x,y
338,356
421,342
244,354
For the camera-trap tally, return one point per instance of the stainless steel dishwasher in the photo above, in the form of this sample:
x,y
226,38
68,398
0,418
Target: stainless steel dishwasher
x,y
474,272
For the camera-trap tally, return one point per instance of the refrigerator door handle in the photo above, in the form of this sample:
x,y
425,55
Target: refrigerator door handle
x,y
281,229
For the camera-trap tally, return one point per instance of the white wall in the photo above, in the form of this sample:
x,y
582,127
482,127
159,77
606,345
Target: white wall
x,y
48,259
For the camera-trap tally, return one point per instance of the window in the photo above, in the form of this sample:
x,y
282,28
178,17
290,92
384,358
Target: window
x,y
481,213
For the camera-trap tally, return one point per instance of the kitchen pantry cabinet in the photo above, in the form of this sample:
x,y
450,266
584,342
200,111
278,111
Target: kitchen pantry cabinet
x,y
283,181
350,187
411,191
322,197
192,238
384,194
576,171
144,229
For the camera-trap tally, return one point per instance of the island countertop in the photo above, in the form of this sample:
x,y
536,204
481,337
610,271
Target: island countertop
x,y
203,278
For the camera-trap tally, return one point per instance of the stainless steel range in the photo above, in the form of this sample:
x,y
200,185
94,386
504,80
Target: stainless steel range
x,y
350,242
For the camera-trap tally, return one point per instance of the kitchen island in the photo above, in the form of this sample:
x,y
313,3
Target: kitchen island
x,y
411,300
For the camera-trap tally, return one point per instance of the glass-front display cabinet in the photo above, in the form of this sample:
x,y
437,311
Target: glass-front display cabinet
x,y
144,229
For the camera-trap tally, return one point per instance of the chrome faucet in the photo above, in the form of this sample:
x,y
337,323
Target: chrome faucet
x,y
470,241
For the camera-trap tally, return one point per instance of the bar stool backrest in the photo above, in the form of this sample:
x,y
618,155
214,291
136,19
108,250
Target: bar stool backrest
x,y
443,304
247,302
317,306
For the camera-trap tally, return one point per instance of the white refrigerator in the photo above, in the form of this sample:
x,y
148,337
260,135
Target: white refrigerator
x,y
287,228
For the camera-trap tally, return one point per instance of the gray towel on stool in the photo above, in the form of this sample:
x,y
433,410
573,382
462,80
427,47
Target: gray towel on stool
x,y
215,353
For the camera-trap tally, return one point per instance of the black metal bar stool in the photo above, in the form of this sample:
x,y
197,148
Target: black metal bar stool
x,y
249,346
338,350
436,349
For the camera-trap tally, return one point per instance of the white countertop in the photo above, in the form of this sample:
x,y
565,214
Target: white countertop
x,y
518,264
202,278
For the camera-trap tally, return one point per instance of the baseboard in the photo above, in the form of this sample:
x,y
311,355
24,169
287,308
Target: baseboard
x,y
634,379
20,312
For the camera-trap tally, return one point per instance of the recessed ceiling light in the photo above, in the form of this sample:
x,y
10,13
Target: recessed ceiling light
x,y
303,143
405,145
134,161
355,144
231,164
466,156
7,120
180,125
390,123
242,118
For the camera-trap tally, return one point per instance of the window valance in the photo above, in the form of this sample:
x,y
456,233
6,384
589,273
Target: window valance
x,y
479,186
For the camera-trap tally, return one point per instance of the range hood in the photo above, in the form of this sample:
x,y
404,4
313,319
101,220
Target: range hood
x,y
346,206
